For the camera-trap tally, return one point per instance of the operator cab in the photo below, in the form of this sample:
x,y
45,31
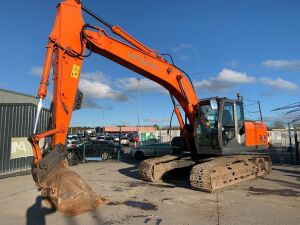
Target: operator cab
x,y
220,127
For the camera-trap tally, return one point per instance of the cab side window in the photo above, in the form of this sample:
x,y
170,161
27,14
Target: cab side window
x,y
228,128
228,115
240,117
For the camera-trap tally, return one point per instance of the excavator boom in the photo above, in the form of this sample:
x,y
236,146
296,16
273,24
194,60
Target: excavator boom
x,y
67,44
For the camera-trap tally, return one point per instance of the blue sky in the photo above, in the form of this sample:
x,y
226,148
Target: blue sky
x,y
251,47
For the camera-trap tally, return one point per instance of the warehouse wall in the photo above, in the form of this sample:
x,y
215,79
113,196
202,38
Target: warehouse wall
x,y
7,96
17,121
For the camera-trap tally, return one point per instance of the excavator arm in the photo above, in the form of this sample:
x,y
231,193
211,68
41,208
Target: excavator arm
x,y
66,49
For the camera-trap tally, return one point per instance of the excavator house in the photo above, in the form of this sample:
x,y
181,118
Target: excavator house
x,y
221,147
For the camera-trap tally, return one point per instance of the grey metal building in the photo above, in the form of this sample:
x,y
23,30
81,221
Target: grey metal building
x,y
17,115
10,97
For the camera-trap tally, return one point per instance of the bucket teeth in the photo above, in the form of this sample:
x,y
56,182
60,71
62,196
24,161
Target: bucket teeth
x,y
64,188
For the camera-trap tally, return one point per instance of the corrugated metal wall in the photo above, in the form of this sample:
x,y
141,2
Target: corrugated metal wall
x,y
17,120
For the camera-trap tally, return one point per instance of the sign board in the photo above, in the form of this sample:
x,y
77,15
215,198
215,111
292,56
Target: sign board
x,y
129,129
147,136
20,147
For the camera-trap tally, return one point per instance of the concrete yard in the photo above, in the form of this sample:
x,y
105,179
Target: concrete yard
x,y
272,200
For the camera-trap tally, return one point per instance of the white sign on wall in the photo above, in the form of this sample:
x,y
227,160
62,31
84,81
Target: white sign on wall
x,y
20,147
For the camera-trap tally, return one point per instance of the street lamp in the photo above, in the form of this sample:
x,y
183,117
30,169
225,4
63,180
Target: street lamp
x,y
138,102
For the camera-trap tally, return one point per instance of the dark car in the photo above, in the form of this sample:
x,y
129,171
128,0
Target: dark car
x,y
109,138
103,149
178,145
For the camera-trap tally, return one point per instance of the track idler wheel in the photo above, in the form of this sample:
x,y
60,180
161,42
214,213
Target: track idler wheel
x,y
66,190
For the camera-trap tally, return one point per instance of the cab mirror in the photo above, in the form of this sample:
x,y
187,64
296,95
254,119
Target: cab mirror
x,y
213,104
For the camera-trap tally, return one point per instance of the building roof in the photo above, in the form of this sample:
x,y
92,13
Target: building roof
x,y
7,97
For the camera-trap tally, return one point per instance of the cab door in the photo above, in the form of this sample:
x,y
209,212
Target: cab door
x,y
228,123
231,130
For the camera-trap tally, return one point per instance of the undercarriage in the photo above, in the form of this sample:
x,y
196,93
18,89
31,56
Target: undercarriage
x,y
211,174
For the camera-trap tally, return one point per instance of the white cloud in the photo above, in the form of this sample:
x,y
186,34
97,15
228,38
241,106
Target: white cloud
x,y
89,103
279,83
36,71
97,76
181,47
290,65
232,76
185,51
184,57
154,120
99,90
225,80
139,84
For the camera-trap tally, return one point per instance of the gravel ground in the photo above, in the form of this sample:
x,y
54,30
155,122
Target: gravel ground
x,y
271,200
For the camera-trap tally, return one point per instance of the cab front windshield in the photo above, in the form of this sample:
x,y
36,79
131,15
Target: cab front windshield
x,y
207,125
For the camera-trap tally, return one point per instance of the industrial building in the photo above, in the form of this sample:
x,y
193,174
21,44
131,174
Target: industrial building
x,y
17,115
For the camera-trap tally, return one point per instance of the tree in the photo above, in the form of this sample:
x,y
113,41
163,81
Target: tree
x,y
156,126
277,125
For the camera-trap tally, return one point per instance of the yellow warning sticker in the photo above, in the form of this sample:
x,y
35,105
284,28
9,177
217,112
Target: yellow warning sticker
x,y
75,71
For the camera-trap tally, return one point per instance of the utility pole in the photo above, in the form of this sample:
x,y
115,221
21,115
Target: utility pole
x,y
102,118
138,102
259,108
119,148
138,106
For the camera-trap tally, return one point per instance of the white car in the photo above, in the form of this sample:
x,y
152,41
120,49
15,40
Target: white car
x,y
116,138
72,143
93,138
124,141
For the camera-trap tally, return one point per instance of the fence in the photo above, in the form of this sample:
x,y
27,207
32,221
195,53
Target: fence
x,y
158,136
280,138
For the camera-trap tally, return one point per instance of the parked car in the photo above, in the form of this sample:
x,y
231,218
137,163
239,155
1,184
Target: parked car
x,y
101,137
151,150
104,149
178,145
134,138
109,138
72,143
124,141
93,137
116,138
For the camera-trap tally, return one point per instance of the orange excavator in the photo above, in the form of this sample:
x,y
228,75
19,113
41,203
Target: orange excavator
x,y
222,148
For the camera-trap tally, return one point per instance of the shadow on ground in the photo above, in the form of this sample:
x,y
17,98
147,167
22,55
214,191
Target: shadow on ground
x,y
141,205
284,183
175,178
36,214
287,192
288,170
178,177
130,171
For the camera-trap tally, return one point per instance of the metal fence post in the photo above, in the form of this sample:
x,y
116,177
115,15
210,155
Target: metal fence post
x,y
155,145
84,137
290,138
120,129
296,145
